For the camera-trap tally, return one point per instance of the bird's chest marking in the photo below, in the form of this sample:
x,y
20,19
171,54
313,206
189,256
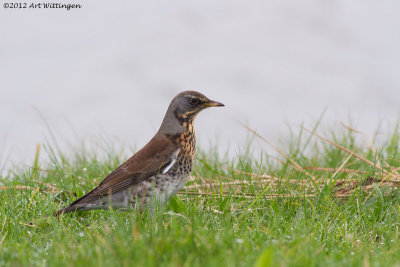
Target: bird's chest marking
x,y
187,143
187,139
182,166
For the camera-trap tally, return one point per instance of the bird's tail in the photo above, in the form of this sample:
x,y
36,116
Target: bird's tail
x,y
65,210
59,212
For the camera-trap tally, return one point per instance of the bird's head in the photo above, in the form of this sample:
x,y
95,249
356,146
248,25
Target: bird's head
x,y
184,108
188,104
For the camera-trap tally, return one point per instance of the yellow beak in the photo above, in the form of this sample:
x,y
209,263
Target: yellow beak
x,y
213,103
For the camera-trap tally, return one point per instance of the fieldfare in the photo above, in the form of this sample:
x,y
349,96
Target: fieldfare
x,y
157,171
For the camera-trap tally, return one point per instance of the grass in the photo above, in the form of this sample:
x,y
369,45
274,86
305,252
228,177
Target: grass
x,y
329,200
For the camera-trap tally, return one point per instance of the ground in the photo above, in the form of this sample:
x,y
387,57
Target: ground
x,y
330,200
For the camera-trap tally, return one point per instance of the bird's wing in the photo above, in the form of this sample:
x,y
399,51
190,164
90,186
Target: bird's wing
x,y
150,160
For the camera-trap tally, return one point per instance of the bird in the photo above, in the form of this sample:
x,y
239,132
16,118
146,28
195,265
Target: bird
x,y
157,171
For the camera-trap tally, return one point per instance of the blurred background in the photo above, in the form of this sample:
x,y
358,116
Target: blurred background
x,y
110,69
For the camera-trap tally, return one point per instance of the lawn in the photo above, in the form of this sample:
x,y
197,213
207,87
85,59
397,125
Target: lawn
x,y
329,199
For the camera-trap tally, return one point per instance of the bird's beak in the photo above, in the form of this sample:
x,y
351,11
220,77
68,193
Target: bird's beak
x,y
212,103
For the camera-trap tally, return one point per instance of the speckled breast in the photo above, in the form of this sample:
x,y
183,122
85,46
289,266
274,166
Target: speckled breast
x,y
163,186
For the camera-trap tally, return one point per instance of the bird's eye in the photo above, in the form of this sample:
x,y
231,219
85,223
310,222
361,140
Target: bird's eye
x,y
194,101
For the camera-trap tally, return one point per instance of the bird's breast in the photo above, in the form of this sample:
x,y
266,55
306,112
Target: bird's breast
x,y
182,167
187,139
187,143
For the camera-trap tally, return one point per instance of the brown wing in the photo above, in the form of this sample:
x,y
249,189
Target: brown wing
x,y
148,161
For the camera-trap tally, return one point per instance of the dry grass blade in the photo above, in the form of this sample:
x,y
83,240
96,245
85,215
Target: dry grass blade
x,y
59,194
18,187
369,140
352,129
247,196
50,188
214,185
341,166
333,169
343,187
264,175
354,154
47,185
294,163
373,149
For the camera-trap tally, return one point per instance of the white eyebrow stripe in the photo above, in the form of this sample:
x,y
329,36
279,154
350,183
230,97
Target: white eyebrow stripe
x,y
173,156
